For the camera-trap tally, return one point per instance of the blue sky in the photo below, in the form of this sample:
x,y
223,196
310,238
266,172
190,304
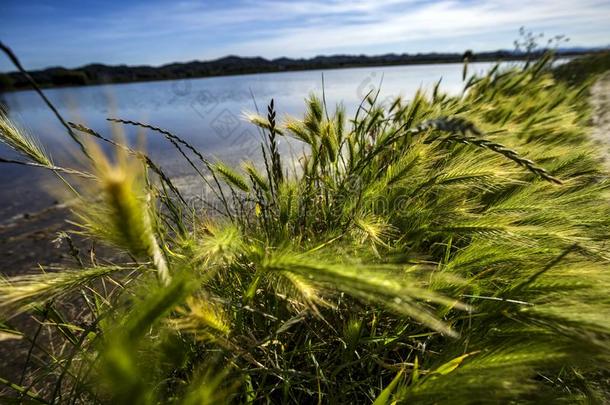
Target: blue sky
x,y
73,33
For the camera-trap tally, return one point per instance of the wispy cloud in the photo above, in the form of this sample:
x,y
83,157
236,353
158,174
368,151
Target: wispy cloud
x,y
156,32
486,24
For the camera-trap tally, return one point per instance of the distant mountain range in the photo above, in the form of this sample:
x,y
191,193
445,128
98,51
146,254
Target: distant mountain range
x,y
234,65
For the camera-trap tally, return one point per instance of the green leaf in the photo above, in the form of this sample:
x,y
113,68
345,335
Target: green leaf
x,y
385,396
451,365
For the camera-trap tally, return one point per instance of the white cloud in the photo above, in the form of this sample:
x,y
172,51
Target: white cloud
x,y
443,20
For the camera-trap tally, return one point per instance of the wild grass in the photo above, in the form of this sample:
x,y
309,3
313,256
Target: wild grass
x,y
18,140
445,249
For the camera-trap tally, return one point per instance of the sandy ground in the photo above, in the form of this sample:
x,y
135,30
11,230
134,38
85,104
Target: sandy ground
x,y
600,101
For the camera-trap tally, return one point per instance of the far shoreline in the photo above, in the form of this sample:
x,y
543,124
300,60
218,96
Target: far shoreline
x,y
496,57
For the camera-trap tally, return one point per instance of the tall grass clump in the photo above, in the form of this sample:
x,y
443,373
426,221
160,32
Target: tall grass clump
x,y
444,249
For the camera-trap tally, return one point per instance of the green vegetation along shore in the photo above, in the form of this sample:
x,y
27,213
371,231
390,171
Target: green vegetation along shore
x,y
441,249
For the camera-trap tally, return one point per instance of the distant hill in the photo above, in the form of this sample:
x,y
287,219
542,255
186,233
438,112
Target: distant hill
x,y
234,65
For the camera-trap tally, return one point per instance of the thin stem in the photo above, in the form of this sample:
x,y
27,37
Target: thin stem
x,y
33,83
53,168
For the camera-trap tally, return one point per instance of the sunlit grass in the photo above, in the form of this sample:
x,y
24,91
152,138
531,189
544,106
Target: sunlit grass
x,y
437,250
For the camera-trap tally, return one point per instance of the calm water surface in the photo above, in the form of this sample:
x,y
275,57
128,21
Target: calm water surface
x,y
207,112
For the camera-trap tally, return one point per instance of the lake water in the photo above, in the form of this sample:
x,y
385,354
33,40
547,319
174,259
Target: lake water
x,y
207,112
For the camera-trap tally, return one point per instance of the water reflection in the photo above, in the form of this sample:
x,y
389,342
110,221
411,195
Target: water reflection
x,y
206,112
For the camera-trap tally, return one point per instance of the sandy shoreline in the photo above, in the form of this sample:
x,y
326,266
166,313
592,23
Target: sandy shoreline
x,y
600,102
